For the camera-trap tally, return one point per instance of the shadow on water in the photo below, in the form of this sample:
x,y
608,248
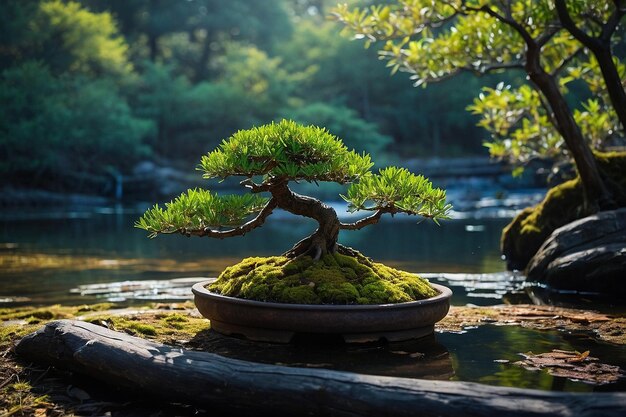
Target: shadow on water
x,y
425,358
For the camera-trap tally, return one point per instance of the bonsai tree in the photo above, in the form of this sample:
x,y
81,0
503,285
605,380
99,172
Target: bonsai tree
x,y
272,156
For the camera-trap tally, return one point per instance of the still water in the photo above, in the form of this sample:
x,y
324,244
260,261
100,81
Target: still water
x,y
94,254
46,255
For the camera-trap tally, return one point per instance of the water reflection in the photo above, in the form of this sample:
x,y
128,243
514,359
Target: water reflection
x,y
540,294
487,354
424,358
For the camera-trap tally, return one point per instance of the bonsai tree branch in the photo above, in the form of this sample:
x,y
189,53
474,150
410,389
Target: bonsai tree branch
x,y
359,224
237,231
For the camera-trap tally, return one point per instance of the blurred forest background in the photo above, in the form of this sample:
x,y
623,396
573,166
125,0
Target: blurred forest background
x,y
90,89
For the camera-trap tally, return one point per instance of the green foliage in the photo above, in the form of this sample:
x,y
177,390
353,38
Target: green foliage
x,y
199,209
188,116
344,122
519,125
76,40
434,41
398,189
522,129
56,126
340,73
214,69
473,41
335,279
280,153
285,150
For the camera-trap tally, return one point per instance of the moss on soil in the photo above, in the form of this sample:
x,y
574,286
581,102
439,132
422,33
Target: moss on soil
x,y
334,279
562,204
163,327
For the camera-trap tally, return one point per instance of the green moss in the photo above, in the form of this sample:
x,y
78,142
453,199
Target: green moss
x,y
562,204
334,279
142,328
163,327
54,312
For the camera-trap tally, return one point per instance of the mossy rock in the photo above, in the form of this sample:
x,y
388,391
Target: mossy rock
x,y
334,279
563,204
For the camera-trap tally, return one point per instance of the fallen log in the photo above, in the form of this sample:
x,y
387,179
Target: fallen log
x,y
238,386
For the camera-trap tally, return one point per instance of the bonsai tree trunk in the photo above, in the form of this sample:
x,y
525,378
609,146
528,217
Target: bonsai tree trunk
x,y
596,194
324,239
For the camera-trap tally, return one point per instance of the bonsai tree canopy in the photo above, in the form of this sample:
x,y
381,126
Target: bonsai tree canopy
x,y
272,156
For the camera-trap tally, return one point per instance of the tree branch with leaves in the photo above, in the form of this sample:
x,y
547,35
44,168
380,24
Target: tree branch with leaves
x,y
483,37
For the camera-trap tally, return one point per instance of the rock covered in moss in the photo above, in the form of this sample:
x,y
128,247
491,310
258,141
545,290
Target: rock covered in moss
x,y
586,255
563,204
334,279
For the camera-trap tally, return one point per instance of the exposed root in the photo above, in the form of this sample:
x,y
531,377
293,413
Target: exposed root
x,y
300,248
316,247
348,251
313,246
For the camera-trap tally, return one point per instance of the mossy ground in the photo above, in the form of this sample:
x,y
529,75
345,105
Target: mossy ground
x,y
32,391
563,204
334,279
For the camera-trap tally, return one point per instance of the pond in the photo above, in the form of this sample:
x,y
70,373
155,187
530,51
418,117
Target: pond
x,y
63,256
91,255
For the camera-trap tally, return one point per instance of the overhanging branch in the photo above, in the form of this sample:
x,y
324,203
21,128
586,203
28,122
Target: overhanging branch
x,y
359,224
237,231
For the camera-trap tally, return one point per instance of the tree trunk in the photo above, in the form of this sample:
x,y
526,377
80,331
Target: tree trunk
x,y
153,47
201,66
616,91
243,388
601,48
596,195
324,240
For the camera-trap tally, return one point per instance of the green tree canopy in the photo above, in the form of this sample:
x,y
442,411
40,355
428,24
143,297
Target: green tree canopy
x,y
434,41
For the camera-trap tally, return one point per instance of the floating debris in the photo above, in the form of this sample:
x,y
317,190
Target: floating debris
x,y
607,327
573,365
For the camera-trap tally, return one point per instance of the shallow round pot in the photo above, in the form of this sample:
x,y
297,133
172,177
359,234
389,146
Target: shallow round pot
x,y
279,322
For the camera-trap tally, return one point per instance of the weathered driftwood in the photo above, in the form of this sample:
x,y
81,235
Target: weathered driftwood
x,y
238,386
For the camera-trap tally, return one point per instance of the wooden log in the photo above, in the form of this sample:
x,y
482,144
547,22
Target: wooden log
x,y
238,386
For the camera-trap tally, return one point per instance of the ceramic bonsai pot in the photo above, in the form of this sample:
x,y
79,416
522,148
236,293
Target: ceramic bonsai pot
x,y
279,322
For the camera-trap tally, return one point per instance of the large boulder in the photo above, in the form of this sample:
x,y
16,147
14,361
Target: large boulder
x,y
586,255
563,204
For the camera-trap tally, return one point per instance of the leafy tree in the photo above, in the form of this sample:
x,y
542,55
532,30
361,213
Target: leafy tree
x,y
482,37
598,22
274,155
204,26
338,72
73,39
522,128
53,127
